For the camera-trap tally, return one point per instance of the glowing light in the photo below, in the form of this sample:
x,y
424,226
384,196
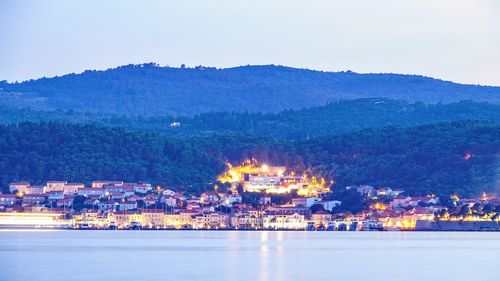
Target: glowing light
x,y
484,196
264,168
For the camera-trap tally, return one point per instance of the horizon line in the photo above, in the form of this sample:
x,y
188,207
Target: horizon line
x,y
154,64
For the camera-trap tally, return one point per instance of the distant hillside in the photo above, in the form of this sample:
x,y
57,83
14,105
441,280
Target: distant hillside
x,y
151,90
332,119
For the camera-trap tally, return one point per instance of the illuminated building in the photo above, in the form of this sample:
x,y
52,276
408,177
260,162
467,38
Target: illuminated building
x,y
321,219
272,179
18,186
211,221
284,221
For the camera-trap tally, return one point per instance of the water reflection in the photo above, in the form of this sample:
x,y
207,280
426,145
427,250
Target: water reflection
x,y
188,255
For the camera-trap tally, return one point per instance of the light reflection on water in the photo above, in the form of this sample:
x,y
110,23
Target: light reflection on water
x,y
231,255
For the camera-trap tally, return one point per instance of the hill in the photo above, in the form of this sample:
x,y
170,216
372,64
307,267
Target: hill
x,y
445,158
150,90
332,119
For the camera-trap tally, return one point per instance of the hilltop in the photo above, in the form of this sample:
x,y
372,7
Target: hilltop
x,y
151,90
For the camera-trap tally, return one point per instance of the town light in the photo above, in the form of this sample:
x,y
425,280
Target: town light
x,y
264,167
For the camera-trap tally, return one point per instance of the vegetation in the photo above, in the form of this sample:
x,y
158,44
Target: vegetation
x,y
334,118
460,157
147,89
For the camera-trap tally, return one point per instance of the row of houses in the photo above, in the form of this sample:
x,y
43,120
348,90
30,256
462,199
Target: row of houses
x,y
184,219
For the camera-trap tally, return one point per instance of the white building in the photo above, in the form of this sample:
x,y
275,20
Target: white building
x,y
277,221
305,201
329,205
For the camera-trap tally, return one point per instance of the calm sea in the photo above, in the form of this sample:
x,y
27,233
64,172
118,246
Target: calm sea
x,y
228,255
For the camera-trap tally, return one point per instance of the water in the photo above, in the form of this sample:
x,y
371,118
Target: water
x,y
228,255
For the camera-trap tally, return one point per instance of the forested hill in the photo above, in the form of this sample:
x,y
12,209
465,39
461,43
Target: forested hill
x,y
445,158
151,90
332,119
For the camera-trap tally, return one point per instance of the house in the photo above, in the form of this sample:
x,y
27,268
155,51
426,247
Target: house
x,y
305,201
321,218
143,188
117,195
109,205
134,198
228,199
34,199
35,189
211,220
55,186
387,191
99,184
89,191
246,221
55,195
306,212
114,189
127,205
279,221
209,197
66,202
128,191
179,196
330,204
150,200
153,218
72,187
400,201
19,187
168,192
170,201
8,199
193,207
415,201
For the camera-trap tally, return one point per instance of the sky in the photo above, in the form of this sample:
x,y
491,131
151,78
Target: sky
x,y
457,40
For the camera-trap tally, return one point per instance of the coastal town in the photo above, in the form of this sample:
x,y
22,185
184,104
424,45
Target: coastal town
x,y
249,197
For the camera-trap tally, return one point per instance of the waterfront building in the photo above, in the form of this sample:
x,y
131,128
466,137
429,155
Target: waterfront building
x,y
321,219
280,221
211,221
246,221
153,218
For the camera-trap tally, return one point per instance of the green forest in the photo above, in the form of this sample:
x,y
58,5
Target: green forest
x,y
459,157
334,118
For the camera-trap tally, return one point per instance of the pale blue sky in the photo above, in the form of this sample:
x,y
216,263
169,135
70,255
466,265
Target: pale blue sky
x,y
456,40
